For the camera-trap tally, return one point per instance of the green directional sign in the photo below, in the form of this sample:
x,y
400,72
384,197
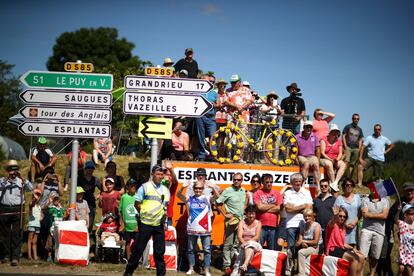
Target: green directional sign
x,y
64,80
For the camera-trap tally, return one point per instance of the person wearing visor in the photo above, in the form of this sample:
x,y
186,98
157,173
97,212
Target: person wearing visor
x,y
12,199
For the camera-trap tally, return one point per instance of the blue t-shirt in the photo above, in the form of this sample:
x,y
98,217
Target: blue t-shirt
x,y
376,147
211,96
353,210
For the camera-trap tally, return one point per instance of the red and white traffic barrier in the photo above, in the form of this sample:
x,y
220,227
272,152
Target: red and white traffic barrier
x,y
269,262
170,256
71,242
321,265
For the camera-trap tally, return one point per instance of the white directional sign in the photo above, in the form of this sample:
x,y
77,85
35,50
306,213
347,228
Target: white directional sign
x,y
63,113
66,98
165,104
167,84
46,128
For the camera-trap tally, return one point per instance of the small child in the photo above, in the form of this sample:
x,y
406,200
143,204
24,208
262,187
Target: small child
x,y
128,222
82,208
406,230
54,212
109,199
109,227
33,228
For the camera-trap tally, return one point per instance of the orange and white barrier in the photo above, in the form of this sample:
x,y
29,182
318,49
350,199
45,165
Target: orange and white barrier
x,y
269,262
320,265
71,242
170,256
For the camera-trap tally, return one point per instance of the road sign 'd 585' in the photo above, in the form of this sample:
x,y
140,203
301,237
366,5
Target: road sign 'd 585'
x,y
156,71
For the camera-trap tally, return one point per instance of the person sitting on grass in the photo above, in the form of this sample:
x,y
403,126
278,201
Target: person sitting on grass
x,y
310,238
248,233
335,242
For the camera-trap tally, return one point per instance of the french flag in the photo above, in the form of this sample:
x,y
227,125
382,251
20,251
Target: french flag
x,y
382,188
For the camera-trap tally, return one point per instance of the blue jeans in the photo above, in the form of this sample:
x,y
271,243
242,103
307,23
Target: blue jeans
x,y
192,248
206,126
292,236
269,235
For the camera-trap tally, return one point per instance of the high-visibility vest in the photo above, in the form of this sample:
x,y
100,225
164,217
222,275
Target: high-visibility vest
x,y
152,206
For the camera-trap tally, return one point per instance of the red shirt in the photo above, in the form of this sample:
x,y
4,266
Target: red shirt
x,y
271,197
109,227
335,237
110,202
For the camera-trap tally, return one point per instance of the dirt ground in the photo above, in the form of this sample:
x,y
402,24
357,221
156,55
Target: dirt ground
x,y
27,267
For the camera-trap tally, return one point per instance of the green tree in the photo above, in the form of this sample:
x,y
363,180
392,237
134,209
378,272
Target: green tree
x,y
100,46
10,88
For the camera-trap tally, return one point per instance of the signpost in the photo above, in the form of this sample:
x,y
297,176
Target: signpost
x,y
59,129
63,113
167,84
154,127
78,67
158,71
62,80
66,97
165,104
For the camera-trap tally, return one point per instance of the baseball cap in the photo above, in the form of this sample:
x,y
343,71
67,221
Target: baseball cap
x,y
79,190
308,123
408,186
42,140
246,83
156,168
189,50
235,78
89,165
110,179
201,171
407,207
183,71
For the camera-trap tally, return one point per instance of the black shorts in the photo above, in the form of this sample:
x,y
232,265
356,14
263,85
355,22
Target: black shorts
x,y
337,252
128,236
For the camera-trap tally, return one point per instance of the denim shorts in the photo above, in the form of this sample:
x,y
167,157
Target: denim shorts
x,y
33,229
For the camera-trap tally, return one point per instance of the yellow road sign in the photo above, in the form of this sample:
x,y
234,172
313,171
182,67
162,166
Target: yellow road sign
x,y
159,71
154,127
78,67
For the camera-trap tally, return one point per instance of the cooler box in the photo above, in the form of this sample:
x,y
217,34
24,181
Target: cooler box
x,y
170,256
269,262
71,242
321,265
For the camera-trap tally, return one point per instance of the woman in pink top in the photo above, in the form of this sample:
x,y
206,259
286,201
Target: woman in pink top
x,y
336,246
320,124
180,143
248,233
331,156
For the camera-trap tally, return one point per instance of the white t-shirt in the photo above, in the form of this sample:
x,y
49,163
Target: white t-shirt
x,y
296,198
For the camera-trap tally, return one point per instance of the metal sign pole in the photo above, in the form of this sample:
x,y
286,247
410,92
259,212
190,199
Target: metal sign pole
x,y
74,178
154,152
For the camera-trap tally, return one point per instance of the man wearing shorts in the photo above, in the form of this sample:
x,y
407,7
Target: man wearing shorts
x,y
309,152
352,136
374,212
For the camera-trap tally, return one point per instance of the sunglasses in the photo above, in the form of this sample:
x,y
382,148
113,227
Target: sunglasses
x,y
198,188
237,179
410,214
268,182
255,181
324,186
342,216
355,119
377,129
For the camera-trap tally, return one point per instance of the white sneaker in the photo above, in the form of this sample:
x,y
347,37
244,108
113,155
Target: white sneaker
x,y
190,271
208,274
334,186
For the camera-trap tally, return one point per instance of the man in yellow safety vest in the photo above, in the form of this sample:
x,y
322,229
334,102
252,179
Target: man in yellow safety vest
x,y
151,201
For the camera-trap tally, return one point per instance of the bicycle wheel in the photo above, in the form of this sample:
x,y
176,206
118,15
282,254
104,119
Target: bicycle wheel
x,y
280,147
226,144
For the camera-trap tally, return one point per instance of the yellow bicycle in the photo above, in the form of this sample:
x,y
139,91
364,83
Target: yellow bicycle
x,y
278,146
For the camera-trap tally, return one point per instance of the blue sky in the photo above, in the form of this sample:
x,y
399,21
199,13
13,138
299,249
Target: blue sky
x,y
346,56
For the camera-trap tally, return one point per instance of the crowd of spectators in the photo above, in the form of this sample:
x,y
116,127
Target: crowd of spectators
x,y
261,217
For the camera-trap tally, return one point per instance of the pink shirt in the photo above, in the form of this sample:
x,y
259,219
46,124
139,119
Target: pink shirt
x,y
332,151
271,197
249,233
320,128
335,237
178,141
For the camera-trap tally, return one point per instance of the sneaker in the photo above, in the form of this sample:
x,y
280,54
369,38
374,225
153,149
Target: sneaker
x,y
190,271
334,186
14,263
5,260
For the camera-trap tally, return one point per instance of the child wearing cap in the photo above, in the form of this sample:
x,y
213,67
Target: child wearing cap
x,y
406,230
109,199
82,207
53,212
108,227
128,222
33,226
